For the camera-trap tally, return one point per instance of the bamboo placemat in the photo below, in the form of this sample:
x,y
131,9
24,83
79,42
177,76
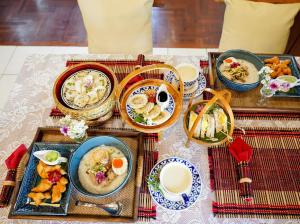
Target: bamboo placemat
x,y
275,172
123,67
266,116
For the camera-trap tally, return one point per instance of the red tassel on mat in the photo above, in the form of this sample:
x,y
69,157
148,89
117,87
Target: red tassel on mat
x,y
242,152
12,163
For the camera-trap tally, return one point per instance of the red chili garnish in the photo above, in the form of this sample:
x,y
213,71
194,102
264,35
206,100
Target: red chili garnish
x,y
235,64
54,176
152,99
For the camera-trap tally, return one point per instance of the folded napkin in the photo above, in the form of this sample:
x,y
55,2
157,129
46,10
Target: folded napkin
x,y
242,153
12,163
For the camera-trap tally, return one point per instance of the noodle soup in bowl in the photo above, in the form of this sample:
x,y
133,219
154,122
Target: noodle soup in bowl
x,y
101,166
238,70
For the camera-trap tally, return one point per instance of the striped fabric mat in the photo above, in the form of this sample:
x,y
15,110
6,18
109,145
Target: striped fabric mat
x,y
147,209
266,116
275,172
123,67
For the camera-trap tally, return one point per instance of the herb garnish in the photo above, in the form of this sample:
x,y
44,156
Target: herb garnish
x,y
153,182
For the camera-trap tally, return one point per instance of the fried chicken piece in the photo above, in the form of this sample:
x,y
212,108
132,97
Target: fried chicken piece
x,y
43,186
63,181
56,194
41,169
39,197
58,189
62,188
274,60
52,168
287,71
279,67
44,169
286,62
62,184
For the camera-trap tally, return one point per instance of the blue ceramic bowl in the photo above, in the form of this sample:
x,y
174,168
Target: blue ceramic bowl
x,y
239,54
85,148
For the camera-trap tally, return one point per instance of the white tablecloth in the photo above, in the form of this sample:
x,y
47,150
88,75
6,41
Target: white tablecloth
x,y
29,105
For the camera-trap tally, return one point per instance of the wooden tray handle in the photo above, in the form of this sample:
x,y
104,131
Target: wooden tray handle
x,y
223,96
144,69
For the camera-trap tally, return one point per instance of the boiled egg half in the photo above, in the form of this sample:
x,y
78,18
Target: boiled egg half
x,y
119,165
228,61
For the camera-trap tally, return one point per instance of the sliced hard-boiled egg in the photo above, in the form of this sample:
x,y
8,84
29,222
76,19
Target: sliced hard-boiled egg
x,y
228,61
119,165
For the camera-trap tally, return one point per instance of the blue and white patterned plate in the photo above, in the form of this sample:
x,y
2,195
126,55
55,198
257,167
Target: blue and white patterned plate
x,y
71,104
165,200
171,78
143,89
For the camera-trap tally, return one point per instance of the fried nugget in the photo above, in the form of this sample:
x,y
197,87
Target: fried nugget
x,y
274,60
279,67
52,168
287,71
62,188
41,169
38,197
56,194
58,189
63,181
274,75
44,169
286,62
62,184
43,186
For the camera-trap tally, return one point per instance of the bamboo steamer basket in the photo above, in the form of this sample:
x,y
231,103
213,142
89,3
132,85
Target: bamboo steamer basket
x,y
222,99
95,115
123,94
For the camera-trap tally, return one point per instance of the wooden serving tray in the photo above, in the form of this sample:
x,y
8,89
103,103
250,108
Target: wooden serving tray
x,y
247,101
129,195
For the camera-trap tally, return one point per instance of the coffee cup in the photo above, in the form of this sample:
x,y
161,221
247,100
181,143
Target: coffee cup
x,y
189,74
176,180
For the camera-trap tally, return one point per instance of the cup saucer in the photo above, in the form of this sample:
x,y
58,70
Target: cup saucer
x,y
201,86
193,88
172,202
172,197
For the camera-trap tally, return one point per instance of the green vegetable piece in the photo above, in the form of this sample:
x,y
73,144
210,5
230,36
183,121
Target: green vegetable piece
x,y
51,156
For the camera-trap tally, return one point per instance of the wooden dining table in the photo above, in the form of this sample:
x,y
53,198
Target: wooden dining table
x,y
29,105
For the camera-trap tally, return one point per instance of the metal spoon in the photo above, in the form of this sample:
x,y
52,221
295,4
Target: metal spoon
x,y
114,208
